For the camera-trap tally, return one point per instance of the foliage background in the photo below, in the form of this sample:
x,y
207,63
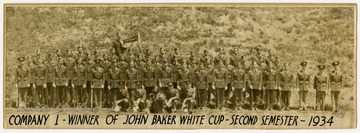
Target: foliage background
x,y
314,34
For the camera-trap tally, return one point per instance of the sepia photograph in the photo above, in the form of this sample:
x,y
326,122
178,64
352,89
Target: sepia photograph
x,y
180,66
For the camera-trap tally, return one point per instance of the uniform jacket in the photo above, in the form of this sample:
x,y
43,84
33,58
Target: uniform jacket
x,y
79,75
22,77
98,78
303,80
256,78
336,80
220,76
114,78
286,80
321,82
239,78
60,76
40,78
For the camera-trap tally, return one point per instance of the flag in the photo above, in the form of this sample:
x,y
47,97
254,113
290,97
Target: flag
x,y
131,39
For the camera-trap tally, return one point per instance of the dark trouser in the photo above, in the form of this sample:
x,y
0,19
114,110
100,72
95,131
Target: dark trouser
x,y
302,99
61,92
157,106
335,99
77,94
40,95
285,99
220,97
202,97
98,94
255,97
51,93
320,97
23,92
87,92
270,98
190,104
106,92
112,96
149,90
238,98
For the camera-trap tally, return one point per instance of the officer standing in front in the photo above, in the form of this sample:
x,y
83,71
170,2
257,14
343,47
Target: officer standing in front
x,y
336,85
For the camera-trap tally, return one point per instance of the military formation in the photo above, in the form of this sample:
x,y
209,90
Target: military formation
x,y
170,81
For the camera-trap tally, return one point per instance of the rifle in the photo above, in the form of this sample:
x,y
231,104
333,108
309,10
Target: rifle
x,y
91,97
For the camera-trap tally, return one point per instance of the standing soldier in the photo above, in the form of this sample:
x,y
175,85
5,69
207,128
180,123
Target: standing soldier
x,y
22,83
114,83
201,84
256,84
61,83
303,84
149,78
210,79
50,78
336,85
286,83
88,78
132,80
321,86
239,78
80,83
220,75
107,96
70,63
165,78
229,76
40,83
271,81
183,80
174,72
32,91
98,83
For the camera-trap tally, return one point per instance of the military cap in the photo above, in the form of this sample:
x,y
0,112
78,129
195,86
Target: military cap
x,y
304,63
21,59
321,67
335,63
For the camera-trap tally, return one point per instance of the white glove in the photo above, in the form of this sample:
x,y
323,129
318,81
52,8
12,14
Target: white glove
x,y
109,87
92,86
84,86
232,88
226,88
66,84
142,86
160,84
126,87
102,86
251,87
243,89
34,86
72,85
44,85
54,85
213,87
178,87
28,85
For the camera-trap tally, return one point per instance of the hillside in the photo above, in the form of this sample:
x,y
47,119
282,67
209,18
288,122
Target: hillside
x,y
294,33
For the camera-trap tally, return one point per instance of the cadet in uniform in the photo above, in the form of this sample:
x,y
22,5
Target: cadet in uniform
x,y
286,84
183,80
61,83
122,99
70,63
132,75
98,84
321,86
88,78
139,98
22,83
149,78
271,81
165,78
255,83
303,84
201,84
336,85
173,102
220,75
239,78
50,78
40,83
80,83
107,98
189,100
114,83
